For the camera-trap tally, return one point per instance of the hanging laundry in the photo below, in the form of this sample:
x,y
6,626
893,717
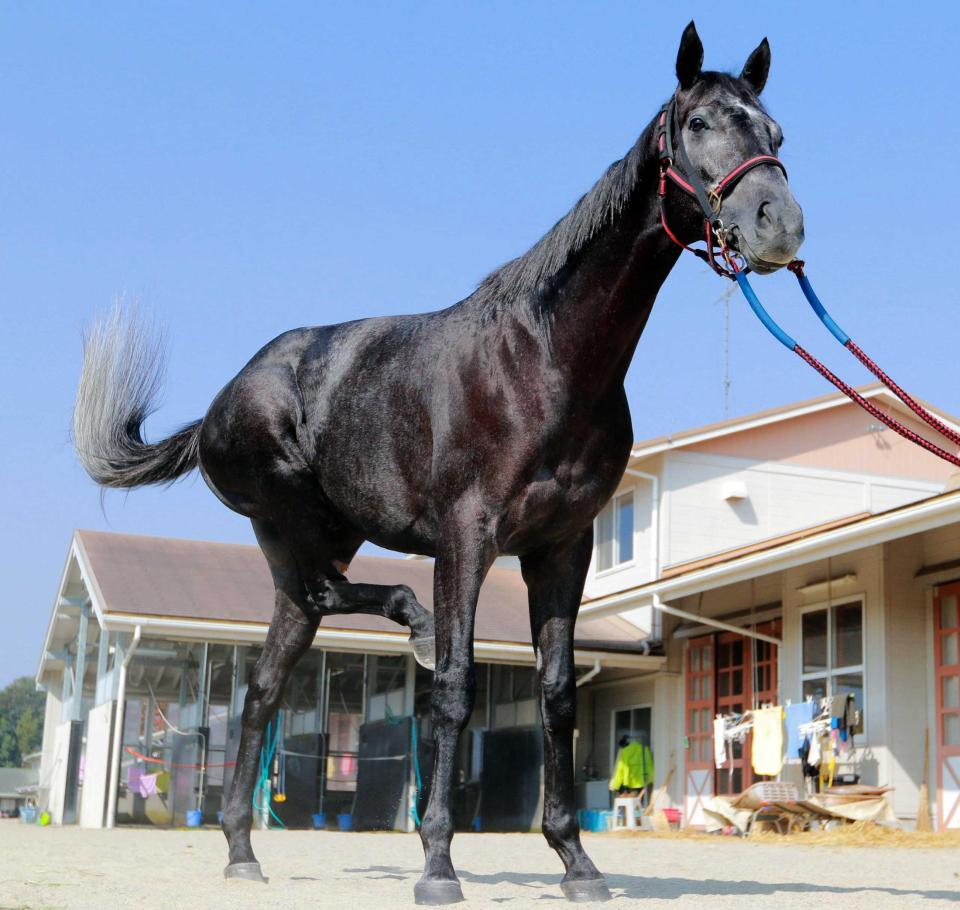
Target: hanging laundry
x,y
163,782
816,751
797,715
838,708
719,742
134,773
768,741
148,785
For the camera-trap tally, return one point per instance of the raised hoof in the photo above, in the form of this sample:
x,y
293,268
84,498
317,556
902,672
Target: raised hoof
x,y
425,651
434,893
245,872
585,890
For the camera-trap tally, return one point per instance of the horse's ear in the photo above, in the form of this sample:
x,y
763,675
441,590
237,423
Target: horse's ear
x,y
757,67
689,57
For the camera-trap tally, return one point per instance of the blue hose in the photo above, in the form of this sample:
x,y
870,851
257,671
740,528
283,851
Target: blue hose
x,y
414,811
261,793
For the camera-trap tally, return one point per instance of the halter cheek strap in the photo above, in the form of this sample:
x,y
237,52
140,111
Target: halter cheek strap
x,y
688,180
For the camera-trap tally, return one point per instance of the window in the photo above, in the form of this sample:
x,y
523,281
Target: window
x,y
832,652
615,532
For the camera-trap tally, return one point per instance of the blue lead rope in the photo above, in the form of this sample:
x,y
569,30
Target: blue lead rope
x,y
771,326
820,309
762,314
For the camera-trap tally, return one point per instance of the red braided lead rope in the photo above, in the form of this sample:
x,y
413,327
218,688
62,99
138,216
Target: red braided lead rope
x,y
905,397
872,409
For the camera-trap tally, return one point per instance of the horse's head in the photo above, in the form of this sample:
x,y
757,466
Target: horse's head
x,y
721,125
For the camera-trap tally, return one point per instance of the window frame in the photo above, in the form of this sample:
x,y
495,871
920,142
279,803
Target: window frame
x,y
831,671
616,566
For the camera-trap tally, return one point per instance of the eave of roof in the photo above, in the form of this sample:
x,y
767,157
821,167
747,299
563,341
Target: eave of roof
x,y
649,447
736,566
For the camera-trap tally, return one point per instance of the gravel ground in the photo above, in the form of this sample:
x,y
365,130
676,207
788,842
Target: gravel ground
x,y
181,870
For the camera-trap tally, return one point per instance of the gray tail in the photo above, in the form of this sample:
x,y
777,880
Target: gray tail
x,y
121,376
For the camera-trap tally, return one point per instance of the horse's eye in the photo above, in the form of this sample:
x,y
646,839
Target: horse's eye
x,y
696,124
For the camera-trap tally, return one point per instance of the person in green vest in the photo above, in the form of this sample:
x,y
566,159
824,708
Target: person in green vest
x,y
633,773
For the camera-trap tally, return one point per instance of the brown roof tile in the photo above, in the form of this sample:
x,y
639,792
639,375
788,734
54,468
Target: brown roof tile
x,y
201,580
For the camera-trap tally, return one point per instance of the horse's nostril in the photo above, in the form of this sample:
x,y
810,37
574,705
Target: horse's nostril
x,y
762,214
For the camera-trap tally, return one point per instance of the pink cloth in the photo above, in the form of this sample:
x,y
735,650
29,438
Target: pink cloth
x,y
148,785
134,773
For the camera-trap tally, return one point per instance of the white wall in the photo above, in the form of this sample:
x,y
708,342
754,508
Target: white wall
x,y
697,521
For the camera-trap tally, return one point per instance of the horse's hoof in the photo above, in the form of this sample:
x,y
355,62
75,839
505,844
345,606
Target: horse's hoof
x,y
434,893
245,871
584,890
425,651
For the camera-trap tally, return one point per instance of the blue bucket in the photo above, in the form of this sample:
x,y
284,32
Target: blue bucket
x,y
320,821
345,821
194,818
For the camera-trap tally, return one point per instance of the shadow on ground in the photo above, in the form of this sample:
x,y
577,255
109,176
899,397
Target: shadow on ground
x,y
641,887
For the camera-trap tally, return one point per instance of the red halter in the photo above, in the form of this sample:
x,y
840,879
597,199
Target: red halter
x,y
710,200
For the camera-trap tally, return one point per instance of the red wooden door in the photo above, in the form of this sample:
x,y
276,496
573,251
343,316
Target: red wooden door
x,y
734,696
946,634
698,775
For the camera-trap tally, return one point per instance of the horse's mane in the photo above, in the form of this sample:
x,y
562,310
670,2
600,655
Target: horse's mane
x,y
535,270
595,210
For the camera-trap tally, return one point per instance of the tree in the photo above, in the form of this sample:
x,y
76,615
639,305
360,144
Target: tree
x,y
21,721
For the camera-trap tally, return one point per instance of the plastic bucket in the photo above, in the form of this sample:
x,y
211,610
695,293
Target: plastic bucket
x,y
320,821
345,821
28,814
194,818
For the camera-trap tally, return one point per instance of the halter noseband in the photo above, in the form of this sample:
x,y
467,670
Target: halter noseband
x,y
709,200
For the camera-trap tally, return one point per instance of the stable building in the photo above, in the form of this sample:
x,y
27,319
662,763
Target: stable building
x,y
146,662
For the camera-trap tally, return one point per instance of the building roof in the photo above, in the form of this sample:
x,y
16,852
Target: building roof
x,y
133,575
873,390
12,780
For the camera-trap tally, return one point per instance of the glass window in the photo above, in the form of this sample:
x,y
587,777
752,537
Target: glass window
x,y
815,641
948,612
848,635
625,528
614,532
832,647
605,539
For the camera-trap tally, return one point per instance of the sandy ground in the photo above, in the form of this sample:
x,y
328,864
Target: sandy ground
x,y
181,870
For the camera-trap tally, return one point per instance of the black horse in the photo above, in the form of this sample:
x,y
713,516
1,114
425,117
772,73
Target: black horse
x,y
499,425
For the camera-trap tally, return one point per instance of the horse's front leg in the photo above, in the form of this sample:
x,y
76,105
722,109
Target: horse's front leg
x,y
555,580
463,559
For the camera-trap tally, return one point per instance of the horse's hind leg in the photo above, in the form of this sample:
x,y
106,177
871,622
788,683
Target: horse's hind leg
x,y
395,602
292,630
555,584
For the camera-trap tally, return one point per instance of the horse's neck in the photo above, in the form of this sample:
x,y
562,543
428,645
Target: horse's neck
x,y
597,314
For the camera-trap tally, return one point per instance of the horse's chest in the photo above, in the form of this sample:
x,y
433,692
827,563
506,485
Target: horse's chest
x,y
562,499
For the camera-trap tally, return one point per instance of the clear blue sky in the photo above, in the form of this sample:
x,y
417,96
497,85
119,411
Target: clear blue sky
x,y
241,169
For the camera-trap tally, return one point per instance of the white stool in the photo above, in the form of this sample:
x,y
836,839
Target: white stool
x,y
630,806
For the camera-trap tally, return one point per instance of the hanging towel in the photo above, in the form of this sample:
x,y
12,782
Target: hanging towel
x,y
796,716
134,773
719,742
148,785
768,741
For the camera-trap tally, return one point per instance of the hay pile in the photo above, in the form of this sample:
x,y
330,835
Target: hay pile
x,y
858,834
